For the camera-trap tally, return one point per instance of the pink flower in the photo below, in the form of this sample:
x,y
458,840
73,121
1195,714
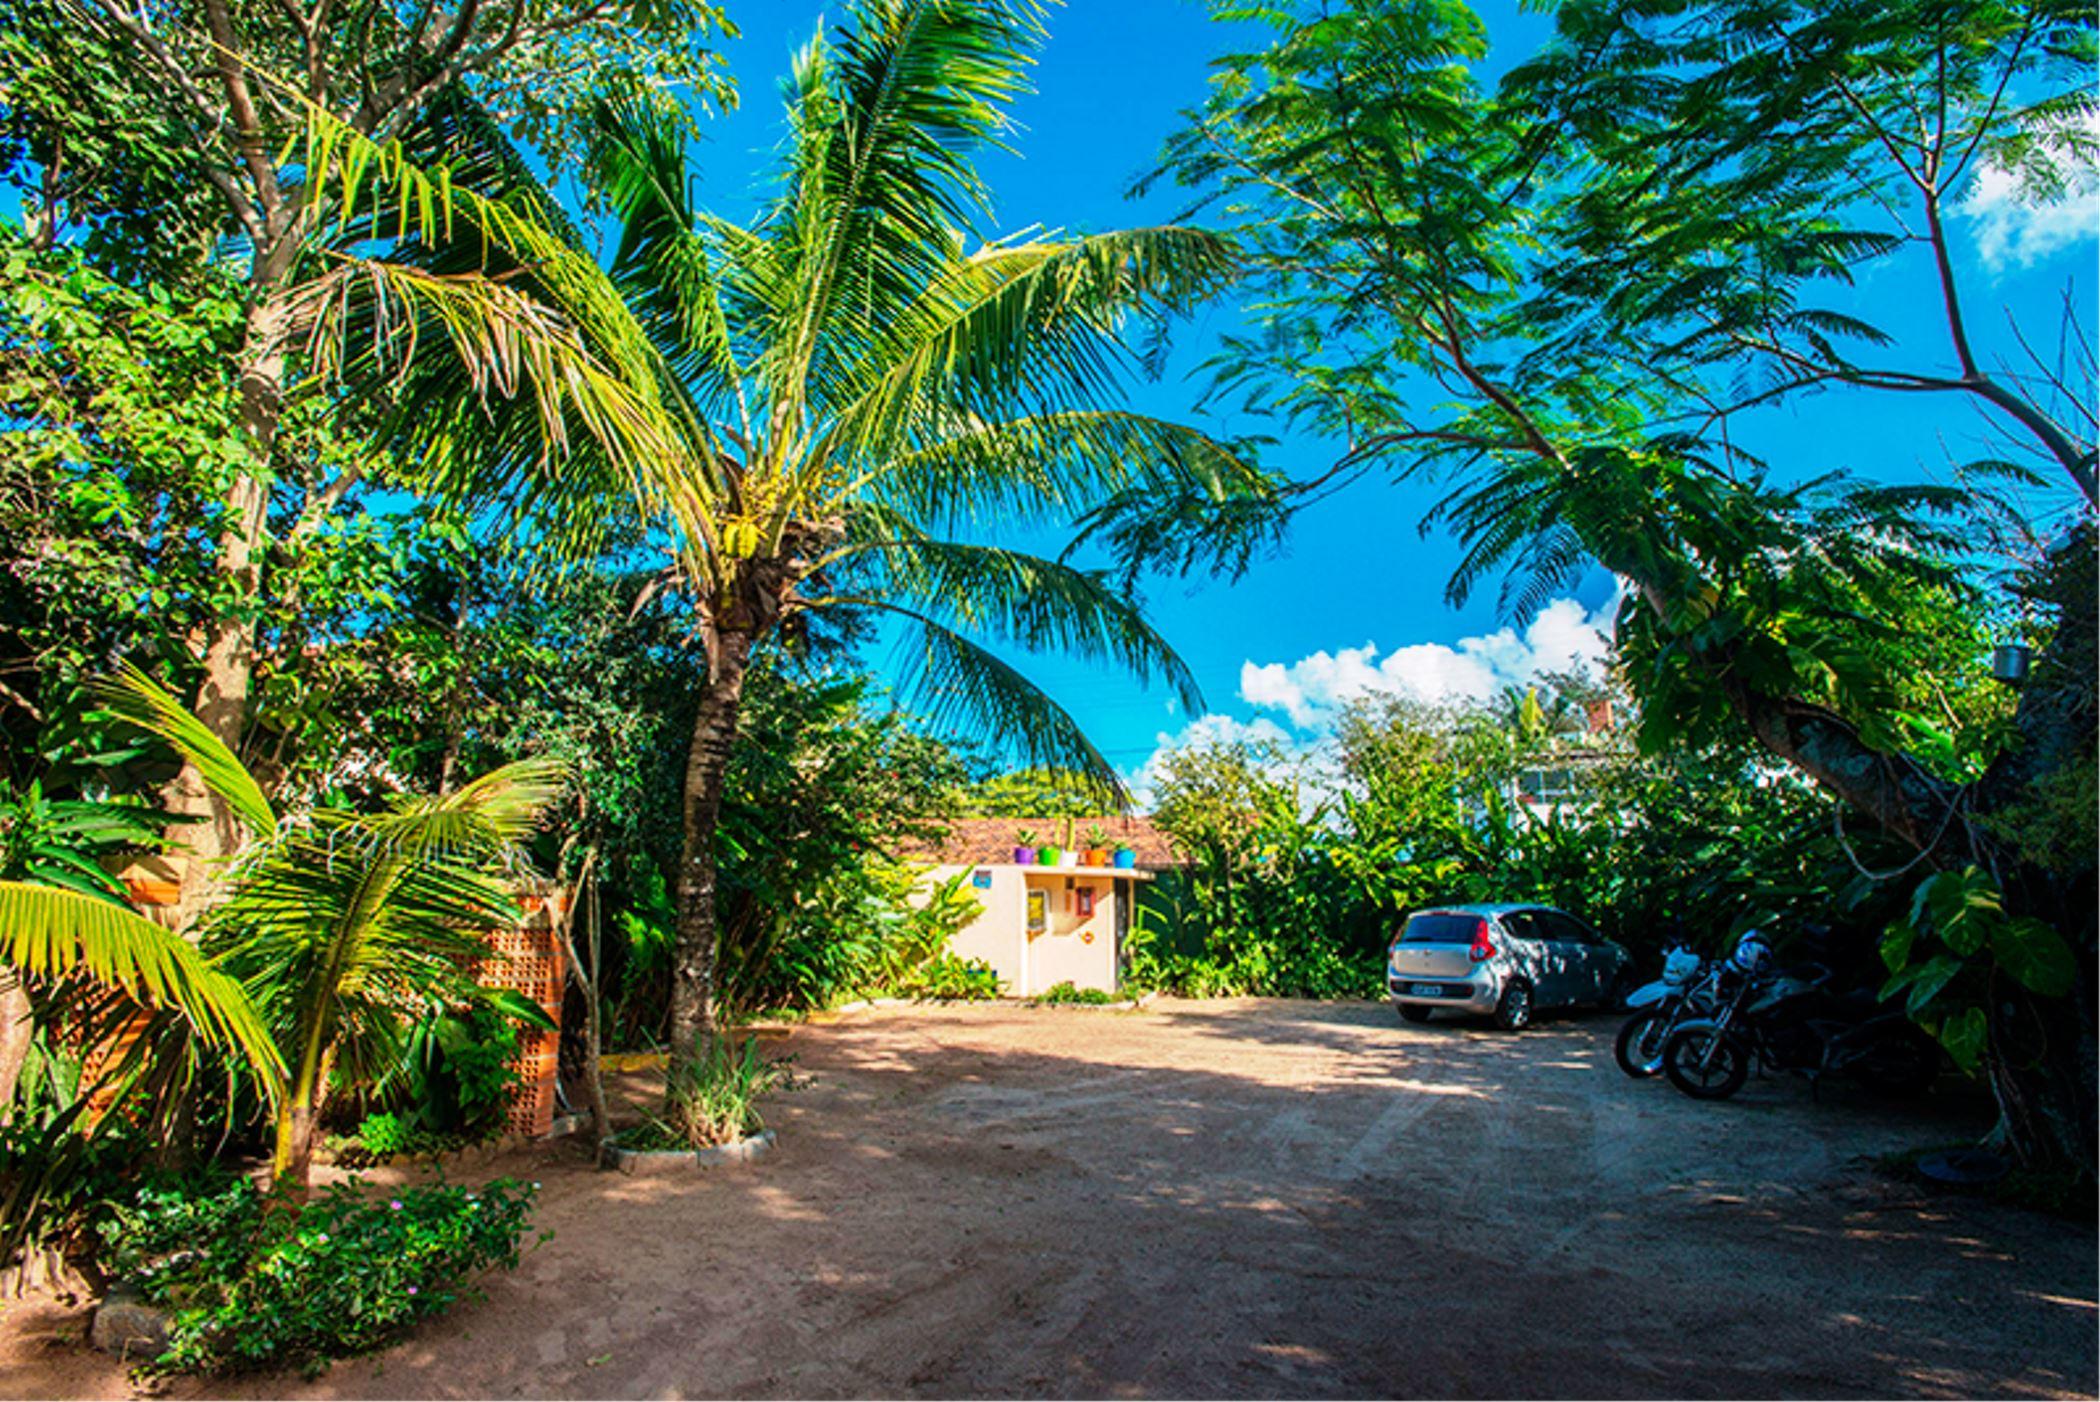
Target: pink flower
x,y
411,1289
395,1204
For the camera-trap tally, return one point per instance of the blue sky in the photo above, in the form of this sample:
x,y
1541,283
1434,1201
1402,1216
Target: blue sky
x,y
1274,648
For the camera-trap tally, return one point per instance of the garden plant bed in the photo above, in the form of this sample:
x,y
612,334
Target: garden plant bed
x,y
1287,1181
652,1161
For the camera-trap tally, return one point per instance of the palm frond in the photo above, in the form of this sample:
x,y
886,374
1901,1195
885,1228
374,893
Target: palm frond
x,y
49,933
957,682
132,695
888,114
1028,327
1023,600
1057,466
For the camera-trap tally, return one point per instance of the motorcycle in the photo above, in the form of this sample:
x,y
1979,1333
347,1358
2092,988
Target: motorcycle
x,y
1685,990
1793,1021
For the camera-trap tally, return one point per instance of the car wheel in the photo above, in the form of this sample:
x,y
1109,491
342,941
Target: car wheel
x,y
1704,1064
1513,1009
1640,1045
1414,1012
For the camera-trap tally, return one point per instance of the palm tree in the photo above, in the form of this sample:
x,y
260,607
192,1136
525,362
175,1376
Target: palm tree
x,y
853,385
345,927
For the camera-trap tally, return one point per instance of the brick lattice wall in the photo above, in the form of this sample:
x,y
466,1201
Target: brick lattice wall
x,y
529,960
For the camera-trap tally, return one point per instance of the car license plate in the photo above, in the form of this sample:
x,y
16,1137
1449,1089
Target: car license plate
x,y
1426,990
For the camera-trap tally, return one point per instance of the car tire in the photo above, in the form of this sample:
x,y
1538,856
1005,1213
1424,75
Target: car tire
x,y
1638,1056
1513,1008
1722,1077
1414,1012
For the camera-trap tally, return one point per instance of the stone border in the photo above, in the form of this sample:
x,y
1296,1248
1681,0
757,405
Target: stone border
x,y
652,1161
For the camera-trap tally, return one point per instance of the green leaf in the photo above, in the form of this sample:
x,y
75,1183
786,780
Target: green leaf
x,y
1966,908
49,932
1897,943
2036,955
1925,981
519,1008
1964,1035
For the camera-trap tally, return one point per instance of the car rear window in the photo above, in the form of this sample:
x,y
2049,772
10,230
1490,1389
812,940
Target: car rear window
x,y
1440,927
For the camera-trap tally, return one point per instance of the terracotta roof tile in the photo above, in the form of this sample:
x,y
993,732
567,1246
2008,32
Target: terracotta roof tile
x,y
986,841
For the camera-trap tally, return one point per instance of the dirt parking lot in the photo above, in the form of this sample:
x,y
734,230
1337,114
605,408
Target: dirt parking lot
x,y
1246,1198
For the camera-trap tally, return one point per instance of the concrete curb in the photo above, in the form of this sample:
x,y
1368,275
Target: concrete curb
x,y
654,1161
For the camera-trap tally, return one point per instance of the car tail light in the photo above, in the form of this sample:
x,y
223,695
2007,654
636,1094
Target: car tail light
x,y
1483,948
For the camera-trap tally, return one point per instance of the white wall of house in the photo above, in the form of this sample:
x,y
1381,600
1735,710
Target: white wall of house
x,y
1072,947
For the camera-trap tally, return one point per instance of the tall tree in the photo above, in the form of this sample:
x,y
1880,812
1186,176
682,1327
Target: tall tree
x,y
216,104
1561,296
856,381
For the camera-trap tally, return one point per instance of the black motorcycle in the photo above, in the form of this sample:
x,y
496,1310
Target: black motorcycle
x,y
1794,1021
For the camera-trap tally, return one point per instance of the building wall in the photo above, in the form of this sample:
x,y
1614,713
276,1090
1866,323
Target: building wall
x,y
995,936
1077,949
1072,948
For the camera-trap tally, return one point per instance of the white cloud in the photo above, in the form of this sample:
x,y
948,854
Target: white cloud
x,y
1564,637
1312,691
2013,230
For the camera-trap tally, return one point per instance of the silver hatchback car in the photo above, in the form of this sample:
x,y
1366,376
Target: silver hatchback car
x,y
1506,961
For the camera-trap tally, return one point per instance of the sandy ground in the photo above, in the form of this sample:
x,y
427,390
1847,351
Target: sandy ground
x,y
1244,1199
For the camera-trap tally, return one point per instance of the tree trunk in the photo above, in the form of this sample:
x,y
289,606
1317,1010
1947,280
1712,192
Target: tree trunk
x,y
2041,1070
292,1166
230,640
706,768
16,1034
583,904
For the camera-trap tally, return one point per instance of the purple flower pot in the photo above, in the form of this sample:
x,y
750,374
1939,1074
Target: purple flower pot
x,y
1024,856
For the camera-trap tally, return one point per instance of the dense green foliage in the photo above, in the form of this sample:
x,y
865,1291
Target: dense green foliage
x,y
1301,867
251,1285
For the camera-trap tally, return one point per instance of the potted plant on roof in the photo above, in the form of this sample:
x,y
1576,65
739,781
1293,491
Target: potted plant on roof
x,y
1125,854
1096,845
1024,847
1068,851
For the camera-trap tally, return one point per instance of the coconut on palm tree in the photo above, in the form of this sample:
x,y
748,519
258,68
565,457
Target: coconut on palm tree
x,y
858,382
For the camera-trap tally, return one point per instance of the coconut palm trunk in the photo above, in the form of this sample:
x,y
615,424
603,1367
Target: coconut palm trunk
x,y
706,771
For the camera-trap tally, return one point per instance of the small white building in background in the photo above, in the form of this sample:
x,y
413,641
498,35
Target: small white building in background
x,y
1040,926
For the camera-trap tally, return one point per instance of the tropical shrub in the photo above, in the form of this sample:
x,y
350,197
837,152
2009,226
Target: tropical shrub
x,y
1068,992
344,927
1301,866
251,1284
949,978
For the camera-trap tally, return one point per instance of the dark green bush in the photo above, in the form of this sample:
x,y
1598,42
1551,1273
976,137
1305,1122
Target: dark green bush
x,y
383,1135
255,1283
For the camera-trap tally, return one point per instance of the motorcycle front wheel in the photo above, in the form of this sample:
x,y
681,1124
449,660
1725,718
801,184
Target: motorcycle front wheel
x,y
1640,1045
1704,1064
